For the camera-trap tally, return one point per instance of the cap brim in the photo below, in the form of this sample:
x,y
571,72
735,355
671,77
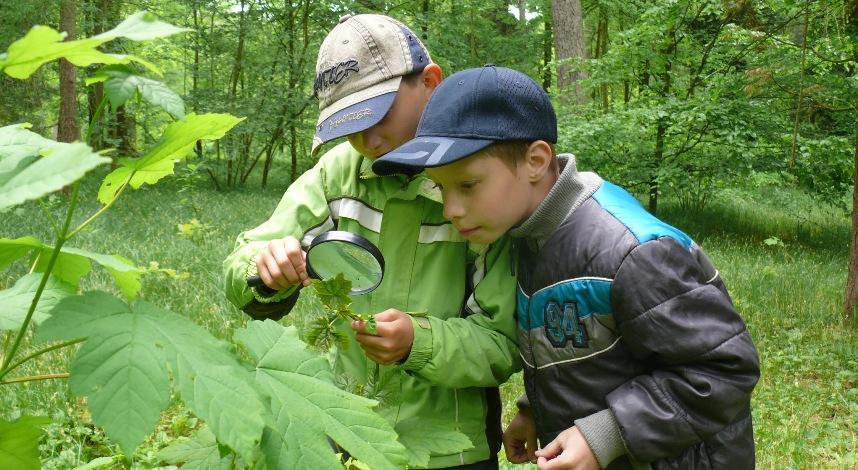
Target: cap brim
x,y
427,152
355,112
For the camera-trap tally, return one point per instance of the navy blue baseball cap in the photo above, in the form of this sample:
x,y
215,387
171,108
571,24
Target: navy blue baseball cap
x,y
469,111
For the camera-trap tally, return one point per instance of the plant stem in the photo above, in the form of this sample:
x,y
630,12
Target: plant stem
x,y
7,358
43,351
100,211
95,117
32,378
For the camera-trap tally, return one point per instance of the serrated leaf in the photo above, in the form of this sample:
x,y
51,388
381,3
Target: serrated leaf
x,y
43,44
333,292
176,143
423,437
24,176
19,442
141,26
113,329
15,301
100,462
124,271
199,452
73,263
121,83
298,383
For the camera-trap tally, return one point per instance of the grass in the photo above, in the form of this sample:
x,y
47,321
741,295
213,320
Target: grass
x,y
789,291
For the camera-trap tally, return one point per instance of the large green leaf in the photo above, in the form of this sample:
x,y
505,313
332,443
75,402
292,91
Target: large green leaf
x,y
305,401
43,44
125,359
199,452
424,437
141,26
123,270
176,143
24,176
19,442
15,301
121,84
73,263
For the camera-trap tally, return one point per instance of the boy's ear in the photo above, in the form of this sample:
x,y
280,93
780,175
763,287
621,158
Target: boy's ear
x,y
431,76
538,160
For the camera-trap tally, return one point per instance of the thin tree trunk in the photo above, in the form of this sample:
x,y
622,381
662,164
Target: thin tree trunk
x,y
601,50
851,297
547,49
800,87
68,128
522,11
569,44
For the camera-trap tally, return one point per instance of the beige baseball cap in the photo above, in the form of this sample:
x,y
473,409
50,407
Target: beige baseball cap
x,y
360,65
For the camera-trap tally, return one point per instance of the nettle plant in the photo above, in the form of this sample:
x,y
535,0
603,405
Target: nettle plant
x,y
281,409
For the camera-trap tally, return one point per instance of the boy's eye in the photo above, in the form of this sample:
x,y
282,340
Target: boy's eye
x,y
468,184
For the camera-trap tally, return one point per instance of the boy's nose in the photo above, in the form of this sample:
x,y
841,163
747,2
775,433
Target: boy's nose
x,y
372,140
452,209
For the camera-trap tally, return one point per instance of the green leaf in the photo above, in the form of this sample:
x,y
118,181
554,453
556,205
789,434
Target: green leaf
x,y
136,344
43,44
141,26
100,462
333,292
68,267
176,143
124,271
19,442
73,263
121,83
199,452
15,301
23,176
423,437
299,384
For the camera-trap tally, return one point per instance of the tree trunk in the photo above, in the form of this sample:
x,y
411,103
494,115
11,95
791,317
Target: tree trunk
x,y
849,313
68,129
547,49
657,158
522,11
601,50
569,44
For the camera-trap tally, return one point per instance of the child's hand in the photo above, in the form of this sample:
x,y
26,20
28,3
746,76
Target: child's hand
x,y
392,339
519,439
568,451
282,264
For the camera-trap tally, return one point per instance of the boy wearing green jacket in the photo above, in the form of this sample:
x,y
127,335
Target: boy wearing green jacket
x,y
373,79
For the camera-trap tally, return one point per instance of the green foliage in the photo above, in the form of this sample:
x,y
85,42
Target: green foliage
x,y
31,166
176,143
15,301
307,406
138,343
423,437
199,452
19,442
43,44
72,263
121,84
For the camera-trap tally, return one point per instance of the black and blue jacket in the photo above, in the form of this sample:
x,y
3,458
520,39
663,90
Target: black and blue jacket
x,y
627,332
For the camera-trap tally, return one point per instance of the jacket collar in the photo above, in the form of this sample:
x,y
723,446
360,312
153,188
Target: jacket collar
x,y
571,189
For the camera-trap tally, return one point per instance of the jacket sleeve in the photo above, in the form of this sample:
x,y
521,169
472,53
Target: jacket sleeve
x,y
478,349
674,313
302,211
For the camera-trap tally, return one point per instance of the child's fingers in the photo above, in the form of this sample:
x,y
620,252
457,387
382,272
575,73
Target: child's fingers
x,y
296,255
551,450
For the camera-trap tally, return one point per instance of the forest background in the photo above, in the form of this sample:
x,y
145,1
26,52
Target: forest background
x,y
736,120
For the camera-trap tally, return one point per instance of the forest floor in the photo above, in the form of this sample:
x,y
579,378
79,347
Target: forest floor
x,y
782,255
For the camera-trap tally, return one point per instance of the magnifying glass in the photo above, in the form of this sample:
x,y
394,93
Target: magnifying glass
x,y
337,251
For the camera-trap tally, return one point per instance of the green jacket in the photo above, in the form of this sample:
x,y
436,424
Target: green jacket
x,y
465,347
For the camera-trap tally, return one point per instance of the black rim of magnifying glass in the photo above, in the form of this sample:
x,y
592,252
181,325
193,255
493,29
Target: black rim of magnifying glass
x,y
347,237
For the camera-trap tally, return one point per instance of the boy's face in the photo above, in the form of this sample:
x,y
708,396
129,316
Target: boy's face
x,y
399,124
484,195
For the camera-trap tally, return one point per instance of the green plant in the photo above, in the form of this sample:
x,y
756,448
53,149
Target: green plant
x,y
132,352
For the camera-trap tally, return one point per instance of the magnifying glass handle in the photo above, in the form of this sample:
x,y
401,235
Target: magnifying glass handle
x,y
256,281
